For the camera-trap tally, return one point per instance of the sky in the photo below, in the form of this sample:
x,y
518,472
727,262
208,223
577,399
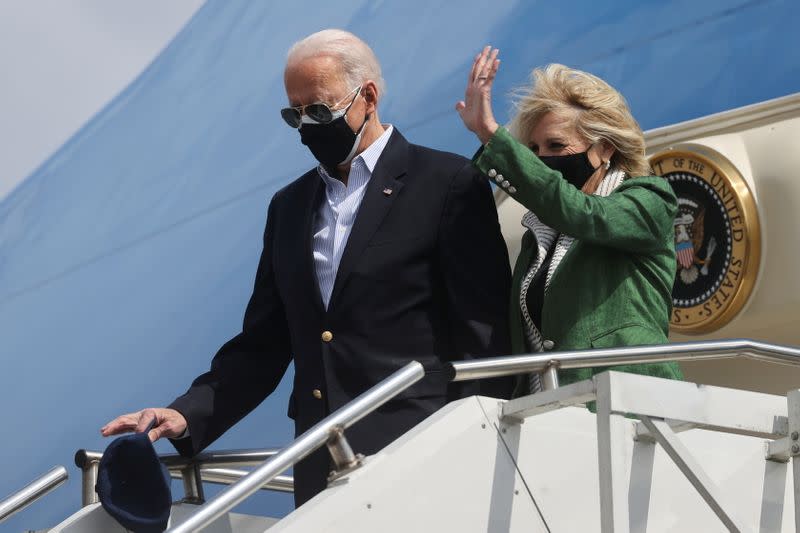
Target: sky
x,y
61,61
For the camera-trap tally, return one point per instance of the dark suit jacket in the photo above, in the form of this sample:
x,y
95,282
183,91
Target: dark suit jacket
x,y
424,276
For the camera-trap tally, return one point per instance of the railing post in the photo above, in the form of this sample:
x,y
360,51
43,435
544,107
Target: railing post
x,y
344,460
192,484
89,463
611,437
88,482
550,376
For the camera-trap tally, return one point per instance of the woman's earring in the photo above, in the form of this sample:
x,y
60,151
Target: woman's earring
x,y
608,164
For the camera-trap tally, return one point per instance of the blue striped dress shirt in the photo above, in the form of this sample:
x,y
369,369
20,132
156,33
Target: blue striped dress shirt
x,y
337,212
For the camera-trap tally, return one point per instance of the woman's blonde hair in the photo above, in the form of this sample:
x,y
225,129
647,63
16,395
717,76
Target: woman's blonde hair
x,y
599,111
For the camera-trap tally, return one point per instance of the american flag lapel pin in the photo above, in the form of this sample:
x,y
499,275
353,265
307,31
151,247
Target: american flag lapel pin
x,y
387,192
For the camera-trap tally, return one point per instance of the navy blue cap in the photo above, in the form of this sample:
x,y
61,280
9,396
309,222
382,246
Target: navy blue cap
x,y
133,485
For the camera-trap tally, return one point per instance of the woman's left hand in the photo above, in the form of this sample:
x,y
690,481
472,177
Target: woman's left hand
x,y
476,108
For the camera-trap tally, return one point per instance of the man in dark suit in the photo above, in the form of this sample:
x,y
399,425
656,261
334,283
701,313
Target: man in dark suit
x,y
386,253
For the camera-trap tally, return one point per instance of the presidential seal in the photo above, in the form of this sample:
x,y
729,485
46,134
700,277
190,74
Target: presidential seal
x,y
717,237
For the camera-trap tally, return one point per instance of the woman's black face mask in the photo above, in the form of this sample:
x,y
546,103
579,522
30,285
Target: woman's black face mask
x,y
575,168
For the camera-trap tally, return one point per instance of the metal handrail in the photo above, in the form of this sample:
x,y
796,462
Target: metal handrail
x,y
32,492
229,476
685,351
386,390
174,461
186,468
307,443
220,458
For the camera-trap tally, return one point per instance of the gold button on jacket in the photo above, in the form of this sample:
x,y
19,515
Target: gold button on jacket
x,y
327,336
316,393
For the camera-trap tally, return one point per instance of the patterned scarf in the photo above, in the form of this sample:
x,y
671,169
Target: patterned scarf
x,y
544,237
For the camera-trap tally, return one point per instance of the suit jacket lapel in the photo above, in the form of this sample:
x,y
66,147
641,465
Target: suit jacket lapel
x,y
391,165
306,263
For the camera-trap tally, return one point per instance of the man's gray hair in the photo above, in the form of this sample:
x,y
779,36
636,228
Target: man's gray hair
x,y
358,61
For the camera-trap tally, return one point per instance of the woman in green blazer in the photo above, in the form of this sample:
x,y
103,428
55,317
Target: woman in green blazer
x,y
598,257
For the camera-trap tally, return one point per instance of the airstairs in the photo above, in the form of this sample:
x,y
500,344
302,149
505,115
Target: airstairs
x,y
651,455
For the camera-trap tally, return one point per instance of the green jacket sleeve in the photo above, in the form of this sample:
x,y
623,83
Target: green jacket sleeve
x,y
634,218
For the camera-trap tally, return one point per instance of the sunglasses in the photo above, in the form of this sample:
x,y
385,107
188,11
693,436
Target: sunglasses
x,y
318,112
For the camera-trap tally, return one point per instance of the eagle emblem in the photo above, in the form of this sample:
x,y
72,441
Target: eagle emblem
x,y
689,230
716,237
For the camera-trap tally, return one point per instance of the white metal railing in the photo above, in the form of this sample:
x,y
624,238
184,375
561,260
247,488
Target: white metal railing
x,y
330,429
229,476
763,421
665,408
550,362
327,430
32,492
207,467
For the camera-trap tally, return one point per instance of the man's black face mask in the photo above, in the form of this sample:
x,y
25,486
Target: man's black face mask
x,y
332,141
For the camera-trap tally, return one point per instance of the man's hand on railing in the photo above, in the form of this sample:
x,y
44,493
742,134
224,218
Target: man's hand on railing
x,y
169,423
